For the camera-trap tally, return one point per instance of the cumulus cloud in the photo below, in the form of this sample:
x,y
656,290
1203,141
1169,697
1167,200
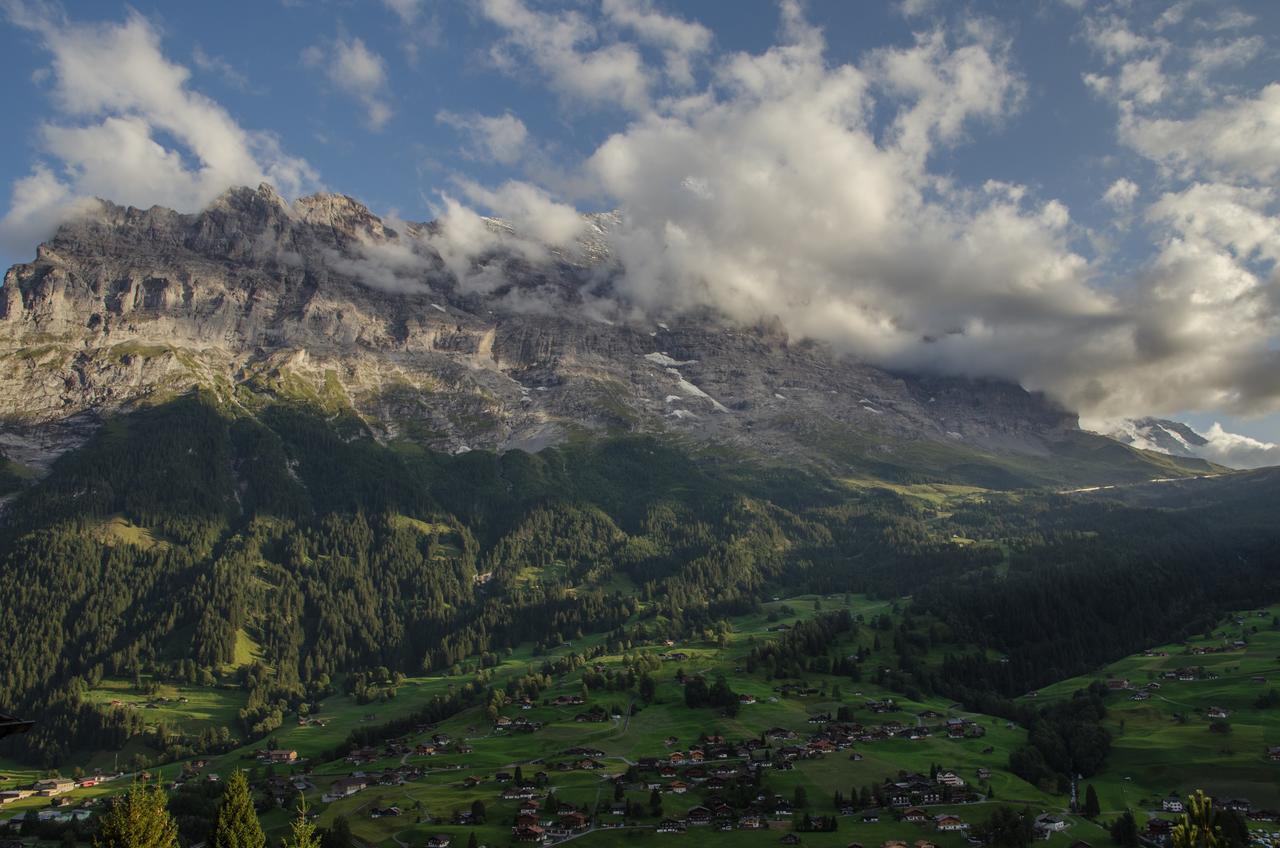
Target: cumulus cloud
x,y
567,48
802,188
358,72
680,41
501,138
130,128
1121,194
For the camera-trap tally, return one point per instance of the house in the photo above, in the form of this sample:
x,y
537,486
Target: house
x,y
790,839
54,786
670,826
678,786
1172,804
948,822
1218,712
529,833
574,821
1050,823
950,778
870,818
279,755
1274,753
914,814
698,816
745,699
344,787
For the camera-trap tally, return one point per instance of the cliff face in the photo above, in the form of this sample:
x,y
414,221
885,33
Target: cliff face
x,y
131,306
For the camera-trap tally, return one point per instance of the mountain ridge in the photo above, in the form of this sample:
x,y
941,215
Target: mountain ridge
x,y
126,307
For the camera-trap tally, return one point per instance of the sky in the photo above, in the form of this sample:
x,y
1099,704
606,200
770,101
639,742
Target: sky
x,y
1080,195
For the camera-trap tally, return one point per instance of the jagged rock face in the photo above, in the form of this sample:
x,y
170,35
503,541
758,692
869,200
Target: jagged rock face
x,y
132,305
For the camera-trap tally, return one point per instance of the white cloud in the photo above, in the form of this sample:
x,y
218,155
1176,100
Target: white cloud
x,y
567,48
358,72
1238,451
680,41
221,67
531,211
120,103
1121,194
1239,138
407,11
502,138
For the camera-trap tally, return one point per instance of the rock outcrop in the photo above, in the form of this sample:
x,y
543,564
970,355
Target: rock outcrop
x,y
323,299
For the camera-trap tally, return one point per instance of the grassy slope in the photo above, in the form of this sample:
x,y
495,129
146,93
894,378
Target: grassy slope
x,y
440,792
1155,754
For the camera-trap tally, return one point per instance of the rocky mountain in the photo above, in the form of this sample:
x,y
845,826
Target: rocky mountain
x,y
1159,434
322,302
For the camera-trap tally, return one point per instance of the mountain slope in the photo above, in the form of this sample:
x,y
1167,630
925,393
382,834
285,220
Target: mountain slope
x,y
257,296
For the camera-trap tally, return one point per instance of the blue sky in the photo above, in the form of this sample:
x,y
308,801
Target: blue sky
x,y
1075,194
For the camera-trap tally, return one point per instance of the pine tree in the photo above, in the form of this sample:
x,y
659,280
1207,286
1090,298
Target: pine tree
x,y
302,833
1197,828
1125,831
138,819
1091,805
236,825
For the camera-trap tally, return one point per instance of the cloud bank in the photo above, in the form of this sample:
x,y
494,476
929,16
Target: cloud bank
x,y
129,128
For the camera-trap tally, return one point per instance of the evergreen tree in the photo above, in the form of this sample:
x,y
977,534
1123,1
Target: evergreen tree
x,y
302,833
1091,806
138,819
1125,830
339,835
237,823
1197,828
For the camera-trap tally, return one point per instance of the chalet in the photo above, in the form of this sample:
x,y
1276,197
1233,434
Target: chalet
x,y
471,782
948,822
1172,804
425,750
677,757
670,826
751,821
518,793
574,822
54,786
820,718
503,777
746,699
914,814
278,755
1274,754
439,841
924,843
893,843
984,773
1218,712
529,833
698,816
950,778
1117,683
790,839
1240,805
679,787
696,756
569,700
345,787
380,812
1050,823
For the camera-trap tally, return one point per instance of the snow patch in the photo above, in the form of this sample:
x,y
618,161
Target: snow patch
x,y
690,390
666,361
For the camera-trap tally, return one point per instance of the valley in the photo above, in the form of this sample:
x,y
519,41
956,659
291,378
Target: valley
x,y
798,742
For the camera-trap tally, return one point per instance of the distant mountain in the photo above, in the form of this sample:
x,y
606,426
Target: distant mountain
x,y
322,302
1159,434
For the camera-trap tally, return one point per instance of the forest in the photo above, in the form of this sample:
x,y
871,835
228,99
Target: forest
x,y
184,528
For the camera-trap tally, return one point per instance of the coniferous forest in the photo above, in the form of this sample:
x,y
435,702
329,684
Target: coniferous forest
x,y
179,529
